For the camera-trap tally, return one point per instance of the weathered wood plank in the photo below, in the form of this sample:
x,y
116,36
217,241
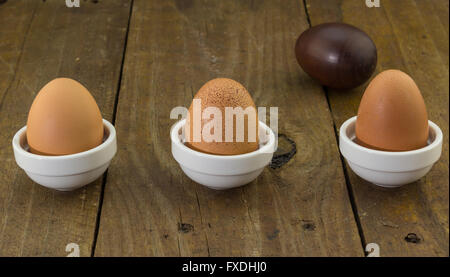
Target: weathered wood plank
x,y
411,36
15,19
41,40
151,208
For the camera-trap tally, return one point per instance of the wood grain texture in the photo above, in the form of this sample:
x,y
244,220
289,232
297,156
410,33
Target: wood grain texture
x,y
15,19
41,40
411,36
151,208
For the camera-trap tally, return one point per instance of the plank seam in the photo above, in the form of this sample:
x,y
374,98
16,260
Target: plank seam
x,y
203,226
116,102
19,59
347,181
344,167
307,13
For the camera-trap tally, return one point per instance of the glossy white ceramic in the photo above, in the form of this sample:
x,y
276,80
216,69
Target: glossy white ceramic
x,y
68,172
389,169
222,172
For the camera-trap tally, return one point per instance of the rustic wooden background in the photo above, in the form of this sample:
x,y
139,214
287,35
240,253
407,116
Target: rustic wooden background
x,y
141,58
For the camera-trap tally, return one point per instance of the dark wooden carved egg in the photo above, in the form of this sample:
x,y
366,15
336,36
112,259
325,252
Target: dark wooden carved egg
x,y
338,55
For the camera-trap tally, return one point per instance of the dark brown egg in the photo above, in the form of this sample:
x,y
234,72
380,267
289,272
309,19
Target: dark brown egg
x,y
338,55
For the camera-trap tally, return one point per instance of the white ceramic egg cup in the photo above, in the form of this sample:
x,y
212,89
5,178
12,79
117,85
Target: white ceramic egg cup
x,y
222,172
67,172
389,169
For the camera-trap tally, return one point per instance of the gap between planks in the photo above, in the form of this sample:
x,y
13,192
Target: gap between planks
x,y
116,102
344,167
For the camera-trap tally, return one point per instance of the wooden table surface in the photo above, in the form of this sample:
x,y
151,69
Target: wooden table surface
x,y
141,58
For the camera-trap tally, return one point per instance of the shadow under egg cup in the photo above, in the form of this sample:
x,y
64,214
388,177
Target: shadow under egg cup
x,y
389,169
222,172
66,172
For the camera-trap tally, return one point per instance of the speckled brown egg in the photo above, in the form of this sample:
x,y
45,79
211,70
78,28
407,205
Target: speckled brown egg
x,y
392,115
64,119
222,93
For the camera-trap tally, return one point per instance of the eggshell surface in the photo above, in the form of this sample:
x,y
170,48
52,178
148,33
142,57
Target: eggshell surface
x,y
392,115
64,119
222,93
338,55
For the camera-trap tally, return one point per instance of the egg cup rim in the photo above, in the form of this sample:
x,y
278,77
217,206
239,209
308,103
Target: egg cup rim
x,y
17,145
437,140
181,123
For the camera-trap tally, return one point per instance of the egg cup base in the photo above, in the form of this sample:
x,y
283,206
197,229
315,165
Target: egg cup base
x,y
66,184
222,172
389,169
218,182
389,179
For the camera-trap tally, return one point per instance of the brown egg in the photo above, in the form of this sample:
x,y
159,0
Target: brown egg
x,y
221,93
338,55
392,115
64,119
